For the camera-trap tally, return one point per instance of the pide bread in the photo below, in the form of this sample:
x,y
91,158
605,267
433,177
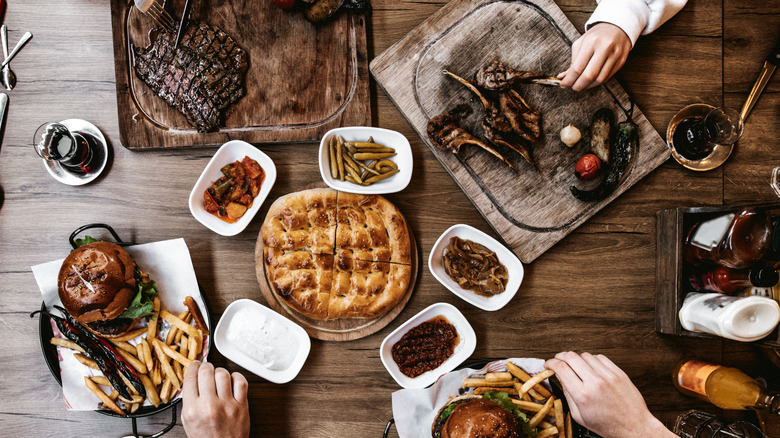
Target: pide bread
x,y
331,255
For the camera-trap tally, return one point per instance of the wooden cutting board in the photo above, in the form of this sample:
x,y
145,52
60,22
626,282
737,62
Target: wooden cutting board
x,y
303,79
530,212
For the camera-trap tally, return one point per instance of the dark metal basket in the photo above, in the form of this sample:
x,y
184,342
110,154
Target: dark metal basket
x,y
52,360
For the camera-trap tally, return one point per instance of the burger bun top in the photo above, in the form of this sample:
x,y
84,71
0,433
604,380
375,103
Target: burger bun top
x,y
97,282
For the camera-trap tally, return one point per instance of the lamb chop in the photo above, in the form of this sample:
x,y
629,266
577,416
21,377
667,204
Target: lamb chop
x,y
499,128
525,121
448,136
496,76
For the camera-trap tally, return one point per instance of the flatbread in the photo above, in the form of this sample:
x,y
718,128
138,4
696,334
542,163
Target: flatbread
x,y
331,255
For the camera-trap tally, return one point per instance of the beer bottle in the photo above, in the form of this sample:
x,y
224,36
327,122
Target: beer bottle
x,y
724,387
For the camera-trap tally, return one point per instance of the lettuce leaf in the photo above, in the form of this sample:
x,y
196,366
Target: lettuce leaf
x,y
86,240
143,302
502,398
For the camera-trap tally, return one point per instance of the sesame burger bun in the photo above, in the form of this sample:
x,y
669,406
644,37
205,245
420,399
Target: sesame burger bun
x,y
96,283
475,417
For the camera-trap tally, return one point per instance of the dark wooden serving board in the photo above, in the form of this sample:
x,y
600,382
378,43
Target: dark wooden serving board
x,y
530,212
303,79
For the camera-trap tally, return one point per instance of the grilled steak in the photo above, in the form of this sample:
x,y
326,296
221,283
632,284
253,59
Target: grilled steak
x,y
201,78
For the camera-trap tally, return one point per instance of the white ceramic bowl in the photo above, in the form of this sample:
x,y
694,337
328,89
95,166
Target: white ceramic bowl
x,y
234,150
466,345
274,325
513,265
386,137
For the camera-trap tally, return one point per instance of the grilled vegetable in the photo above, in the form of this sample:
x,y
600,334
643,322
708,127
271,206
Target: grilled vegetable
x,y
570,135
622,148
587,167
322,10
600,133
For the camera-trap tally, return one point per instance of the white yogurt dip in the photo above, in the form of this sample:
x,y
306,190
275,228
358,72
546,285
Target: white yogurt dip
x,y
263,339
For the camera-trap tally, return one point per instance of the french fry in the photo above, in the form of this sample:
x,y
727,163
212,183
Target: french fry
x,y
165,392
179,333
542,376
114,395
134,399
527,405
174,327
195,347
527,395
474,382
107,402
66,343
559,420
569,428
139,348
86,361
147,354
550,431
101,380
175,355
154,320
166,367
178,323
200,323
483,389
133,361
178,370
151,391
184,347
156,375
130,335
536,419
522,375
498,377
134,407
545,425
122,345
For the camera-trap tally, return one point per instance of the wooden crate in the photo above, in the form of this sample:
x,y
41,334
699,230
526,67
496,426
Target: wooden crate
x,y
671,269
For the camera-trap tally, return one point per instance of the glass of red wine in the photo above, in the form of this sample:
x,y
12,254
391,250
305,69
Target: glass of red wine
x,y
701,137
73,151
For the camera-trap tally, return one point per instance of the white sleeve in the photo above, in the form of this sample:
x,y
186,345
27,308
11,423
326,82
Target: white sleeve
x,y
635,17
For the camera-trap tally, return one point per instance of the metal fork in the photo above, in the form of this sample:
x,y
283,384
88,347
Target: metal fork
x,y
157,12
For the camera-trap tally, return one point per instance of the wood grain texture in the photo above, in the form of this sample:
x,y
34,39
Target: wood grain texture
x,y
303,79
593,291
530,212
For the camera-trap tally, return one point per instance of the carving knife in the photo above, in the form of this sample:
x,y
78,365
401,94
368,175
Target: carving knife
x,y
770,64
185,20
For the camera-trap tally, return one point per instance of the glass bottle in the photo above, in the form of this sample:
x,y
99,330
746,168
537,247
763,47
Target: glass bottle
x,y
724,387
727,280
736,240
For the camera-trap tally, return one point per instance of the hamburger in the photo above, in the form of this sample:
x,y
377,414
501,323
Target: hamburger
x,y
101,286
492,415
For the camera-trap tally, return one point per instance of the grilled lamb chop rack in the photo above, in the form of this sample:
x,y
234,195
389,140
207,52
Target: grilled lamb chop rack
x,y
500,126
496,76
448,136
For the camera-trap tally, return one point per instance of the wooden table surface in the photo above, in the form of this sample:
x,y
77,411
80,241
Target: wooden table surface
x,y
593,291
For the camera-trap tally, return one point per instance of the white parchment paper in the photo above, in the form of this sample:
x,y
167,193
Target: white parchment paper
x,y
414,409
168,263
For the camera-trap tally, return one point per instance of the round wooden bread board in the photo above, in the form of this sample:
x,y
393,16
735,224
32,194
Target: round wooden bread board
x,y
337,329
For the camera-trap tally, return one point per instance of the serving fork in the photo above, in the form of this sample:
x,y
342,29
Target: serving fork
x,y
153,9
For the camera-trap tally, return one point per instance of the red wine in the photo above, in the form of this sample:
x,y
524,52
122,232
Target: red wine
x,y
692,138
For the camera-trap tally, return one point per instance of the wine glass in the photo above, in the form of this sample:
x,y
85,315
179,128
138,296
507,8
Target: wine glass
x,y
701,137
54,142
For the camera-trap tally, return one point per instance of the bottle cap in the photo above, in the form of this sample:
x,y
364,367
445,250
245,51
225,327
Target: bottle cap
x,y
752,319
764,277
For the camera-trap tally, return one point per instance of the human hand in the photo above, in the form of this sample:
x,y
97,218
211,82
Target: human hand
x,y
602,398
214,404
596,56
